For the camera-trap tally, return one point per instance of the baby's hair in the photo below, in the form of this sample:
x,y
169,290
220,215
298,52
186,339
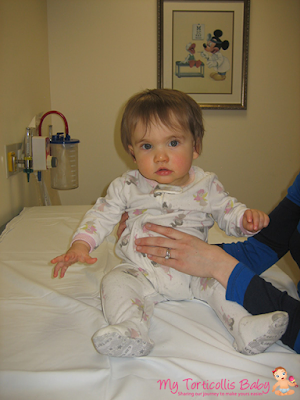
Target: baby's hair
x,y
278,368
171,108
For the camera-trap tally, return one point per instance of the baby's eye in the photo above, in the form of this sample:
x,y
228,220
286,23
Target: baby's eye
x,y
283,373
174,143
146,146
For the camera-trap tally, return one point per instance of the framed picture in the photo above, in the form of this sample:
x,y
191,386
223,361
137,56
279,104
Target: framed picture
x,y
203,50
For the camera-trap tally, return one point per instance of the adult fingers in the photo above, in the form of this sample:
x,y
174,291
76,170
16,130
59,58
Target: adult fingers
x,y
157,251
165,231
160,242
122,224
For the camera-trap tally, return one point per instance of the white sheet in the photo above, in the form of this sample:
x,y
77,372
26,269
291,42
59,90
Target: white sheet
x,y
47,324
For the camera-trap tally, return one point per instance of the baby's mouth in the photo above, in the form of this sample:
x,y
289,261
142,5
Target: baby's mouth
x,y
163,171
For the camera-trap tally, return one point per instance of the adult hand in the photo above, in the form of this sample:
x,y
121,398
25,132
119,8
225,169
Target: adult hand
x,y
188,254
122,224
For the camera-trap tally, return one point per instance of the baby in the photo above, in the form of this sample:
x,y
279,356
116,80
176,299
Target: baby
x,y
162,129
283,383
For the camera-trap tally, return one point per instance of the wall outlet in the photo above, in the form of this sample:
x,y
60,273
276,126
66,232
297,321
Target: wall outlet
x,y
12,149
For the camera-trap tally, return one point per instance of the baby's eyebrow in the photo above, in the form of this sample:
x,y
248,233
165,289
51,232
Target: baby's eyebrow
x,y
173,136
176,136
141,141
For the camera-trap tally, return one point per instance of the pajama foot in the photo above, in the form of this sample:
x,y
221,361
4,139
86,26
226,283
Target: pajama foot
x,y
116,345
259,332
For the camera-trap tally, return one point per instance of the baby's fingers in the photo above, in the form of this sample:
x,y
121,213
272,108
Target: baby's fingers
x,y
260,220
266,221
64,261
256,220
61,268
90,260
62,264
86,259
57,259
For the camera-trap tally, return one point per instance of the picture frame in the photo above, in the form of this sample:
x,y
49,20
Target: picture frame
x,y
202,50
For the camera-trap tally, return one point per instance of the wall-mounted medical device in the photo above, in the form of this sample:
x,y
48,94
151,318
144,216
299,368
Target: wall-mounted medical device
x,y
59,153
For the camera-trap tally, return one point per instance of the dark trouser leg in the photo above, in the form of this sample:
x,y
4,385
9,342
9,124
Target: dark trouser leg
x,y
262,297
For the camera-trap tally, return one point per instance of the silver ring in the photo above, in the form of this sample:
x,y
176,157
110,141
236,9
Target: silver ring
x,y
168,254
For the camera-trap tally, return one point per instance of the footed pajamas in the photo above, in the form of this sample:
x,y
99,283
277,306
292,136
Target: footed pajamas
x,y
130,291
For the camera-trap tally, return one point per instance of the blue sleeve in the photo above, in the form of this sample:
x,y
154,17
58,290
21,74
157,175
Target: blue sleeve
x,y
294,191
238,283
256,255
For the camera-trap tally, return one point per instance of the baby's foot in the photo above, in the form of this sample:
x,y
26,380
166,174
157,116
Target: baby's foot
x,y
115,341
259,332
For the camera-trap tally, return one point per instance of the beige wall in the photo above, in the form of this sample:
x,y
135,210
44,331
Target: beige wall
x,y
24,90
103,51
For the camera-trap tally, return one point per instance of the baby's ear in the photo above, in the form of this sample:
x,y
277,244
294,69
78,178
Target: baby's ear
x,y
198,147
130,151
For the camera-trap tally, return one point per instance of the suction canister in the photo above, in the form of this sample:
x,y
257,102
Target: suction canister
x,y
65,149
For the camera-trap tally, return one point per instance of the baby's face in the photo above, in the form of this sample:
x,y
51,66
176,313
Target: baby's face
x,y
163,154
280,374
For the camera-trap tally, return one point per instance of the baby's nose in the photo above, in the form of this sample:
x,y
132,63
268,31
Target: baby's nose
x,y
161,156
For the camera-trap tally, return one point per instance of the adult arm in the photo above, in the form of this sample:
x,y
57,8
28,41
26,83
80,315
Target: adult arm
x,y
282,235
193,256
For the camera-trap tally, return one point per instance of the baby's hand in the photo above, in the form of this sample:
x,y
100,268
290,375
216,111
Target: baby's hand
x,y
255,220
78,252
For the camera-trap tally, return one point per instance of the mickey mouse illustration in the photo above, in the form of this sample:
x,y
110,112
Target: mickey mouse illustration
x,y
216,60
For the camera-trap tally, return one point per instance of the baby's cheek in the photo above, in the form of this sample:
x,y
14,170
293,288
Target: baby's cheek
x,y
182,163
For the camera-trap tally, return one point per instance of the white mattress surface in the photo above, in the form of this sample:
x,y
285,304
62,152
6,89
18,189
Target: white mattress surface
x,y
46,327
